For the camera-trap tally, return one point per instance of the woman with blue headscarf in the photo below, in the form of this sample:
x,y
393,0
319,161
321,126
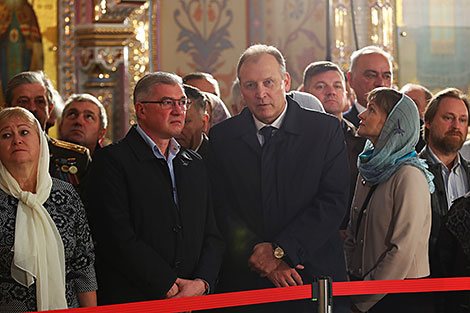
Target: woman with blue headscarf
x,y
388,234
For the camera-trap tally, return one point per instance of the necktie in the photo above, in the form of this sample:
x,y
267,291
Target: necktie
x,y
267,132
268,176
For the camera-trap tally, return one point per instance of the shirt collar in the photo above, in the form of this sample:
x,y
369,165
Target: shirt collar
x,y
359,107
200,142
276,124
173,146
435,159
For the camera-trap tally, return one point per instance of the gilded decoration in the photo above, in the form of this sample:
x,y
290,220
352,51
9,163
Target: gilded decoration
x,y
381,22
107,57
114,11
101,86
103,35
139,58
66,51
343,43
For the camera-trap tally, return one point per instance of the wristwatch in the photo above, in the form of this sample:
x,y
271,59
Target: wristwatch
x,y
278,252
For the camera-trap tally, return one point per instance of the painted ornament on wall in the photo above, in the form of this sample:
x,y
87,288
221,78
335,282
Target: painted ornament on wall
x,y
203,32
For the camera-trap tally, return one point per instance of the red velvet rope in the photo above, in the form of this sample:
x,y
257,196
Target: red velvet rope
x,y
283,294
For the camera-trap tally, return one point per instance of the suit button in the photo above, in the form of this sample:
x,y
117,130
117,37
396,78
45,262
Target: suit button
x,y
360,271
363,182
177,264
177,228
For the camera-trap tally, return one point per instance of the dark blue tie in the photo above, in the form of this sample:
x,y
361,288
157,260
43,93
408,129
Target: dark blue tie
x,y
268,175
267,132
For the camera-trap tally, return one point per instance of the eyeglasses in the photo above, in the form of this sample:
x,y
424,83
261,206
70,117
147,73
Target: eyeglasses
x,y
169,103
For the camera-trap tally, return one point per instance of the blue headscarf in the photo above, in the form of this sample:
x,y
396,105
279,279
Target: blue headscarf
x,y
395,146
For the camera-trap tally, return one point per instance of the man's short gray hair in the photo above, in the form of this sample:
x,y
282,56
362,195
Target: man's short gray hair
x,y
85,97
143,87
257,50
369,50
24,78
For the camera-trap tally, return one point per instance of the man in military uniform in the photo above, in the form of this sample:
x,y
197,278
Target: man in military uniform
x,y
83,121
33,91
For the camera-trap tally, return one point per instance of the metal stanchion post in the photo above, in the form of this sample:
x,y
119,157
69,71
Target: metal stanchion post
x,y
322,293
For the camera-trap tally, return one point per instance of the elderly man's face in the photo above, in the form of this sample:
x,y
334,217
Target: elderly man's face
x,y
263,87
81,124
371,71
194,125
33,98
157,122
330,88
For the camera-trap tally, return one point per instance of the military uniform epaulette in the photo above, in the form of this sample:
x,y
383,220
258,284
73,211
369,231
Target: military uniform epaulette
x,y
69,162
68,145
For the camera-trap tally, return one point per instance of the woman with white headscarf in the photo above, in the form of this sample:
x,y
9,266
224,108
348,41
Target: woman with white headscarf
x,y
388,234
46,252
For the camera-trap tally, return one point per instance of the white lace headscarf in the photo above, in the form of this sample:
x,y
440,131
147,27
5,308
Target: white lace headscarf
x,y
38,248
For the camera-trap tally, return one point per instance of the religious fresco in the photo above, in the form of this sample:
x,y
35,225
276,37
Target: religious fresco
x,y
20,41
210,35
202,35
296,27
203,43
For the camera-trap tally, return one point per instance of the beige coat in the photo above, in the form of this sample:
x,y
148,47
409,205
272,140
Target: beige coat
x,y
392,241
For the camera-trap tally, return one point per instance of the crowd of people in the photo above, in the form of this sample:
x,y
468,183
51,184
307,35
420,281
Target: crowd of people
x,y
347,177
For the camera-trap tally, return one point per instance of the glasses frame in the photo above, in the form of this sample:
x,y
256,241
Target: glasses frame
x,y
174,102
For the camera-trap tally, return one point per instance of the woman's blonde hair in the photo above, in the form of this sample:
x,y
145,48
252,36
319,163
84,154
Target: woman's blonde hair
x,y
20,113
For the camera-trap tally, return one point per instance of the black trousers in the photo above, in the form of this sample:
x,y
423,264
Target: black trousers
x,y
405,303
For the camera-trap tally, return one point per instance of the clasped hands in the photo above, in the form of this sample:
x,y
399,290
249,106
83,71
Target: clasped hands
x,y
186,288
262,261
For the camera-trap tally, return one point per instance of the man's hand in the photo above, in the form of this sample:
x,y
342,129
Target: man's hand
x,y
189,288
285,276
173,291
262,260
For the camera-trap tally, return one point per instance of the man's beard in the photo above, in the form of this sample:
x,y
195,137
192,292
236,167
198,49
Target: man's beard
x,y
448,144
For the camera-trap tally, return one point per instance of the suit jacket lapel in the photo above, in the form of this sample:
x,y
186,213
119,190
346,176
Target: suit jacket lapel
x,y
287,144
140,148
248,128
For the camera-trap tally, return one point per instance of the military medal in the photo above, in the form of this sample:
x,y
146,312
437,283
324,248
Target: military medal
x,y
73,170
64,169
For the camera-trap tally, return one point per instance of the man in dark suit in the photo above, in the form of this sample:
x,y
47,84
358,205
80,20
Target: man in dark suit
x,y
446,126
282,180
421,97
326,81
371,67
151,206
196,122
